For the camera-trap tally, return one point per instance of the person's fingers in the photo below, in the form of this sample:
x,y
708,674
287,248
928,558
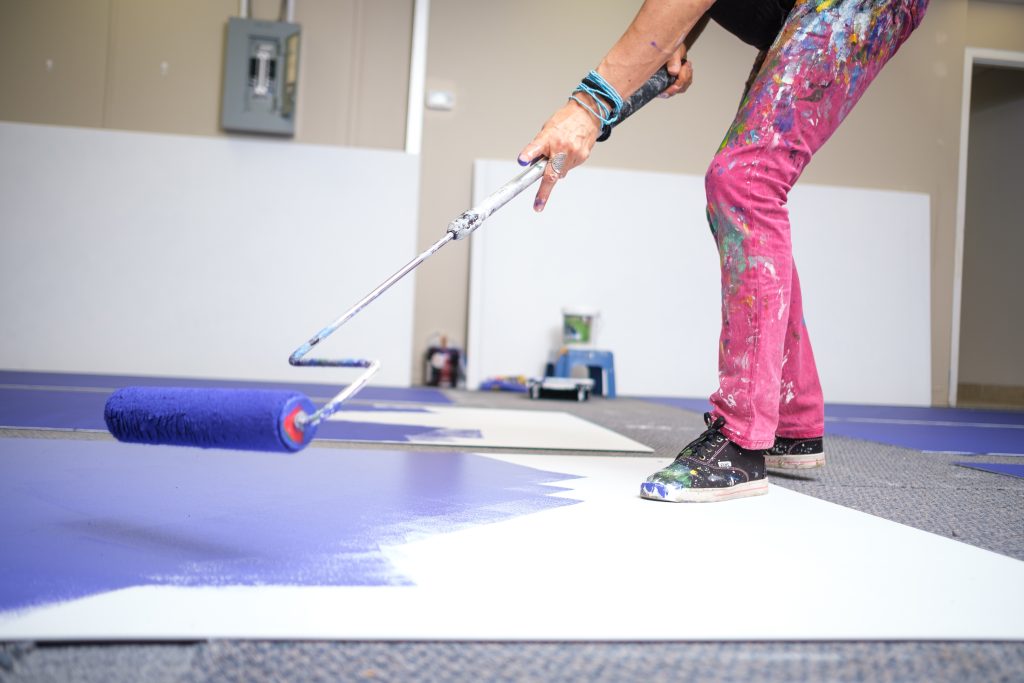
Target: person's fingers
x,y
684,77
675,61
547,184
533,151
566,141
556,169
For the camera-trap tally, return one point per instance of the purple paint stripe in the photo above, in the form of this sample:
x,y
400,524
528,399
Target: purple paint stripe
x,y
79,518
995,467
424,395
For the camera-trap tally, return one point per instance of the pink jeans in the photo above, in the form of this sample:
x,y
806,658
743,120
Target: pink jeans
x,y
826,56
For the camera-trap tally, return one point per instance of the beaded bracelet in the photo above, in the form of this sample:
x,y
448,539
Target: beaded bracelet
x,y
603,94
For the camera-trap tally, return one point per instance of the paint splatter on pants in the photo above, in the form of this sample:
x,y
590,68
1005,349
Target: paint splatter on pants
x,y
825,57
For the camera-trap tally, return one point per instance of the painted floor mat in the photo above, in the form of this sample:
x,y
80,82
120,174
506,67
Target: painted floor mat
x,y
357,422
34,400
116,541
996,468
938,430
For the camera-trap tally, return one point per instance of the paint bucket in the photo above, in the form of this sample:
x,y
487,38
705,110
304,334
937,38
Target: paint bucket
x,y
578,325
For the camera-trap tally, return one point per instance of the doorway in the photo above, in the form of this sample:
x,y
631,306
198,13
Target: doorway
x,y
987,369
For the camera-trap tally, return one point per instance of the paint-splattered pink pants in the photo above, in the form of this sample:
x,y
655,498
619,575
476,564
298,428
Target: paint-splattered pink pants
x,y
826,56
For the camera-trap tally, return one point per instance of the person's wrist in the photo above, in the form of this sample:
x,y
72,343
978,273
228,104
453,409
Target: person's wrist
x,y
583,118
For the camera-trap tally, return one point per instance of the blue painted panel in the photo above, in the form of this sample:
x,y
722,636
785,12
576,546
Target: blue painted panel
x,y
323,391
54,409
935,437
845,410
995,468
82,517
35,409
924,429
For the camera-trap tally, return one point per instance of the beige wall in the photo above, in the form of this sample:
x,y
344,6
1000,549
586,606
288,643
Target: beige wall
x,y
510,64
156,65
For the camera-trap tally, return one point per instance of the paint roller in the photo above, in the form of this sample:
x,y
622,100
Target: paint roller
x,y
286,421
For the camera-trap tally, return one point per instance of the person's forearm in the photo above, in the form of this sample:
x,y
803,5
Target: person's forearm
x,y
658,29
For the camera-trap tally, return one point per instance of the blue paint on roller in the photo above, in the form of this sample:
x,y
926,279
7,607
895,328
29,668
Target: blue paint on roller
x,y
249,419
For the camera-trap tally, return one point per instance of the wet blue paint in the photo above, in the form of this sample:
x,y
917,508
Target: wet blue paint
x,y
995,467
79,518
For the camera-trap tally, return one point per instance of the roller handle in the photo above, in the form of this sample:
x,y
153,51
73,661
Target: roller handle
x,y
654,86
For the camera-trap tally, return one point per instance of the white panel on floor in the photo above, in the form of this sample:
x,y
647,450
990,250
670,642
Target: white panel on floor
x,y
636,246
489,428
153,254
783,566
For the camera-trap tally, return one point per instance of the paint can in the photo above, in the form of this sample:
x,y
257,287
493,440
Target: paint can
x,y
442,365
579,325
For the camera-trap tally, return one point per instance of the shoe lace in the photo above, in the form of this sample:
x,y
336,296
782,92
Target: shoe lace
x,y
707,443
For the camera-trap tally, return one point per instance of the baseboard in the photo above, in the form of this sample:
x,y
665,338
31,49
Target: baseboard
x,y
990,396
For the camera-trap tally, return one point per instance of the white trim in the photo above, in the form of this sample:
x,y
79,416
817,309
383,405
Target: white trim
x,y
972,56
417,77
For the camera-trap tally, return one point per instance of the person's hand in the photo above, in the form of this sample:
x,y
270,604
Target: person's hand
x,y
679,66
566,140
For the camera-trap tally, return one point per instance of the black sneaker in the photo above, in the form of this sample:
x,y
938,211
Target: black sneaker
x,y
710,468
795,454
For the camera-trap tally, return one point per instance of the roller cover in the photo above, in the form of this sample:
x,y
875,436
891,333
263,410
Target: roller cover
x,y
243,419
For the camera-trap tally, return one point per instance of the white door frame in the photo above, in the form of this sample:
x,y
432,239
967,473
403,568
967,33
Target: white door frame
x,y
417,77
972,56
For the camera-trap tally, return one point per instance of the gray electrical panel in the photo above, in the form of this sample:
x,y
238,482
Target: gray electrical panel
x,y
261,73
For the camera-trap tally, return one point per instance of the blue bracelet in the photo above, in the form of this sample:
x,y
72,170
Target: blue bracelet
x,y
605,97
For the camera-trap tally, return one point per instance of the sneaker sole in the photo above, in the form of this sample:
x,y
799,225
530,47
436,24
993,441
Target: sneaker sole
x,y
655,491
795,462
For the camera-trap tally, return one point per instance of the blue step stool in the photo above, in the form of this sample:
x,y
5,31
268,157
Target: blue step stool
x,y
598,363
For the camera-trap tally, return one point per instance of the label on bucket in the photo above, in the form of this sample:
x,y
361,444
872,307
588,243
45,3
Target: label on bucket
x,y
577,327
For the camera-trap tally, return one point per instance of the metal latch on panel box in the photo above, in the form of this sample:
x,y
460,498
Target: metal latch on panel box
x,y
261,73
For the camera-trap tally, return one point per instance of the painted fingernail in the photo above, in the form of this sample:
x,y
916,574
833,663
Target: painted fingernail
x,y
538,204
523,162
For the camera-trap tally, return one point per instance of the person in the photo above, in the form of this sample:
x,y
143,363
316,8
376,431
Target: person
x,y
816,59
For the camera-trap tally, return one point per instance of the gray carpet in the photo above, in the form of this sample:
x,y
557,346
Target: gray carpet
x,y
501,662
921,490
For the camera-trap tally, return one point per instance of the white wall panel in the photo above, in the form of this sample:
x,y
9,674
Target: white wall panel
x,y
636,246
203,257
